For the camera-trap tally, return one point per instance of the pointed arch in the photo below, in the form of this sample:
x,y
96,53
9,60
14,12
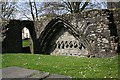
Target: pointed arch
x,y
53,30
13,40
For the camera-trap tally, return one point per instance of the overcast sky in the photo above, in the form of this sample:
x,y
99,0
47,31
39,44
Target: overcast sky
x,y
22,8
64,0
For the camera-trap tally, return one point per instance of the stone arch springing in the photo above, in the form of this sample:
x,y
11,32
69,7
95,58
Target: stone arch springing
x,y
53,29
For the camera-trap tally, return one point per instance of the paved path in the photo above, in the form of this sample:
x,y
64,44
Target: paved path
x,y
11,73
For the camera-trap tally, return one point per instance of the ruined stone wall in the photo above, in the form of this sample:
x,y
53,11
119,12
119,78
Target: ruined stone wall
x,y
94,26
98,31
12,35
116,15
12,38
67,44
42,23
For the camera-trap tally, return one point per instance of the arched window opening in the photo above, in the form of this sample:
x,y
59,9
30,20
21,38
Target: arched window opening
x,y
26,40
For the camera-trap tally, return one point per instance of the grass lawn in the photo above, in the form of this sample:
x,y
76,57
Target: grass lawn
x,y
25,43
66,65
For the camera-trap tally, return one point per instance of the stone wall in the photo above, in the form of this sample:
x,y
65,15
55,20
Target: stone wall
x,y
12,35
116,16
12,41
97,27
67,44
94,32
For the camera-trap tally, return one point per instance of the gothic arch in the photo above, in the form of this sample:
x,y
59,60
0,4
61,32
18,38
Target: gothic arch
x,y
13,41
30,26
53,30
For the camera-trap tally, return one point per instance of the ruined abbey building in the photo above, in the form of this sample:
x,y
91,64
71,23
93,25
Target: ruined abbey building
x,y
90,33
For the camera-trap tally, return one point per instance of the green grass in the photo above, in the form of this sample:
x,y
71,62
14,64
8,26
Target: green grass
x,y
25,43
0,61
66,65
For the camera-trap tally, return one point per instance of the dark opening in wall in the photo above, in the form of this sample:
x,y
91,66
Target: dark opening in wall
x,y
113,29
112,26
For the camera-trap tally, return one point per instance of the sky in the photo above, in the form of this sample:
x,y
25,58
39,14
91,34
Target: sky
x,y
60,0
22,7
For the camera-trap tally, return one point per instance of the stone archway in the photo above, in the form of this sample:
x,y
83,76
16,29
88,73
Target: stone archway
x,y
13,41
52,32
33,41
97,30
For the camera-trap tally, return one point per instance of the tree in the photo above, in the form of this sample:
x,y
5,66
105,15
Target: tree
x,y
75,7
7,9
72,7
33,8
30,10
6,12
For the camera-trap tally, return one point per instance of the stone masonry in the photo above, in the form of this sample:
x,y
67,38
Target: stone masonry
x,y
90,33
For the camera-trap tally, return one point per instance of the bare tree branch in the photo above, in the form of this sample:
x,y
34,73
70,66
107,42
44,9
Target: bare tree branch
x,y
7,9
83,7
75,7
30,3
36,10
